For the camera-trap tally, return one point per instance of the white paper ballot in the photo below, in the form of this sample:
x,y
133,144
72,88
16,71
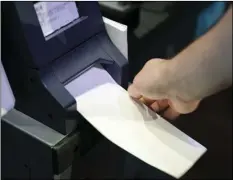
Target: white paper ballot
x,y
138,130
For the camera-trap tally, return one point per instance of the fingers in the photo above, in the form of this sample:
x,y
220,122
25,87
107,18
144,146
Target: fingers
x,y
155,106
176,108
170,109
152,82
170,114
173,109
133,92
147,101
159,105
164,109
183,107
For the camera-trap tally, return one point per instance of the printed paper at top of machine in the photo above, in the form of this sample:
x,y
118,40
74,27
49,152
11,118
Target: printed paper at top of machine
x,y
53,16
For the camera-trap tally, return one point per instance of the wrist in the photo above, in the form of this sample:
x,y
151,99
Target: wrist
x,y
179,85
167,73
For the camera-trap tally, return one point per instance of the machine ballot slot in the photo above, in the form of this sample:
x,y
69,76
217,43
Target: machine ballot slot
x,y
80,59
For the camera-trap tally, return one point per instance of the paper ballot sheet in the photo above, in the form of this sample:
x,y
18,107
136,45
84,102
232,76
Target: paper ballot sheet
x,y
138,130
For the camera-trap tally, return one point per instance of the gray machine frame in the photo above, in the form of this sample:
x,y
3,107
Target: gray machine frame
x,y
36,150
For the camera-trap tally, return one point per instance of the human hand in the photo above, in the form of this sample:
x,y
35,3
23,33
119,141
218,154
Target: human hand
x,y
155,85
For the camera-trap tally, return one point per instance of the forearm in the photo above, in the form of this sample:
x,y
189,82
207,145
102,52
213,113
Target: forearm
x,y
205,67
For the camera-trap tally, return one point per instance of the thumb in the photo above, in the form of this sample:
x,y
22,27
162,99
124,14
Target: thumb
x,y
133,92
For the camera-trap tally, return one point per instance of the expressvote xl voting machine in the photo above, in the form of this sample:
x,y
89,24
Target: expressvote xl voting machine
x,y
52,52
48,46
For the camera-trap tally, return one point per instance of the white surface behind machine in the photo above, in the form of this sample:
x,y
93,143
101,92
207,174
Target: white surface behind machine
x,y
7,97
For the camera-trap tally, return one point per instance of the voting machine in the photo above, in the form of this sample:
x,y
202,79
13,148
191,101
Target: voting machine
x,y
51,45
53,52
